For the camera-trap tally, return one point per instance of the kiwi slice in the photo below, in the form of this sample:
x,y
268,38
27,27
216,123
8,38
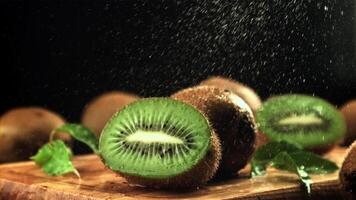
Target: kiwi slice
x,y
349,112
100,109
160,142
242,90
308,121
347,172
24,130
231,119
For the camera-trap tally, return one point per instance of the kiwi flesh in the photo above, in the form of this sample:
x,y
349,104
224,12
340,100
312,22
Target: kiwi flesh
x,y
161,143
101,109
24,130
349,112
347,174
231,119
242,90
308,121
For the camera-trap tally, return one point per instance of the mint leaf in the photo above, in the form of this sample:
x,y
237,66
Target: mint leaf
x,y
80,133
285,162
264,155
54,157
289,157
313,163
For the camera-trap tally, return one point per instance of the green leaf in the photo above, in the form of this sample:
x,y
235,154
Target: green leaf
x,y
289,157
80,133
264,155
285,162
54,157
313,163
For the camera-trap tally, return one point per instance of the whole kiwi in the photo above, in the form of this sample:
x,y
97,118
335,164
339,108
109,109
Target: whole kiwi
x,y
231,119
242,90
161,143
347,174
101,109
349,112
24,130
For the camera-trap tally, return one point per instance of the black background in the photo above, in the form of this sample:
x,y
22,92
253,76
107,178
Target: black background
x,y
60,54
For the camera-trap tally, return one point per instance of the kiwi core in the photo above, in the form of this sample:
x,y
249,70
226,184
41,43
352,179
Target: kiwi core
x,y
153,137
303,119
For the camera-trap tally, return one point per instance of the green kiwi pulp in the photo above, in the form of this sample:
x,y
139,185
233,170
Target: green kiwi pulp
x,y
160,142
305,120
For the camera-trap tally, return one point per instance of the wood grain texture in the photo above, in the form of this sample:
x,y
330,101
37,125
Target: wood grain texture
x,y
25,180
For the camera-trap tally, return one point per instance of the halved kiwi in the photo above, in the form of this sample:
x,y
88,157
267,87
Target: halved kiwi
x,y
349,112
24,130
242,90
160,142
101,109
231,119
308,121
347,172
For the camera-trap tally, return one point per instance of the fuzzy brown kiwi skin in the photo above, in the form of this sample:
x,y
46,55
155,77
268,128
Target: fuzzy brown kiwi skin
x,y
261,139
24,130
196,177
322,149
243,91
349,112
98,112
347,174
234,125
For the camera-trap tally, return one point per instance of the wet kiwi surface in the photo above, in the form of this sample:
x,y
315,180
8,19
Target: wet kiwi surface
x,y
231,119
162,143
347,173
24,130
305,120
243,91
349,112
101,109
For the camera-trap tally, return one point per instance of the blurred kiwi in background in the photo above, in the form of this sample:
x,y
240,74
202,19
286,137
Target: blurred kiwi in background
x,y
24,130
99,111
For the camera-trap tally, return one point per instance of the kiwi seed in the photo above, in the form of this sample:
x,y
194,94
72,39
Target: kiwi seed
x,y
305,120
349,112
24,130
161,143
231,119
347,173
101,109
243,91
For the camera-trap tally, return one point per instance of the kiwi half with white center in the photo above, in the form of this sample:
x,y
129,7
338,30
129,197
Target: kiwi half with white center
x,y
231,119
162,143
308,121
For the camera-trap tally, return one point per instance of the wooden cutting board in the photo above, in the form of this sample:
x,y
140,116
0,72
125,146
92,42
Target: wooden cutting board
x,y
24,180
